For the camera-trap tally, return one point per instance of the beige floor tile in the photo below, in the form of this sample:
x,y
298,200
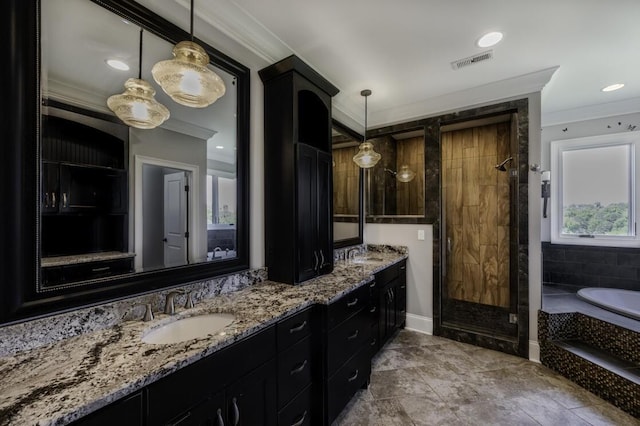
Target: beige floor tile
x,y
395,383
606,415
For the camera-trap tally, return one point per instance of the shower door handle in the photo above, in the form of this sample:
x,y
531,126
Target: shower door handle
x,y
449,245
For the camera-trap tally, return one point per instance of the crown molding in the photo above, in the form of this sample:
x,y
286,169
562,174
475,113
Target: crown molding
x,y
591,112
495,91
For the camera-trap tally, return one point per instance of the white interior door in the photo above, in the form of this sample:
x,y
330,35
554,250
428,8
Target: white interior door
x,y
175,219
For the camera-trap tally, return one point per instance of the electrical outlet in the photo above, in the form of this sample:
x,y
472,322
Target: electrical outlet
x,y
420,234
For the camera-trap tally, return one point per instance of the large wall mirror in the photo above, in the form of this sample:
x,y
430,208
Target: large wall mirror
x,y
347,187
116,210
395,187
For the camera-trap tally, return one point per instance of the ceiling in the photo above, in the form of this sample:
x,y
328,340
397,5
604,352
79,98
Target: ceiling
x,y
402,51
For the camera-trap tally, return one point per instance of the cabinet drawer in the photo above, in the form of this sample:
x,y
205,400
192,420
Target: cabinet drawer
x,y
299,411
294,370
402,272
346,382
85,271
294,328
386,275
346,339
348,305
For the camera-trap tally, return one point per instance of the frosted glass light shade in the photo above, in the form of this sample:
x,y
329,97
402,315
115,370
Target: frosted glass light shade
x,y
186,78
137,107
405,174
366,156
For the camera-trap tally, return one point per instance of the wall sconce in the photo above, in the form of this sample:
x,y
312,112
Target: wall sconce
x,y
405,174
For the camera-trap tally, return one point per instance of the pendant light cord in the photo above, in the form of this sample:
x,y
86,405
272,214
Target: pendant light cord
x,y
365,118
140,57
191,28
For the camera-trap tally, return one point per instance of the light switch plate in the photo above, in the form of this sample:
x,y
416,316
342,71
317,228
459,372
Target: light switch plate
x,y
420,234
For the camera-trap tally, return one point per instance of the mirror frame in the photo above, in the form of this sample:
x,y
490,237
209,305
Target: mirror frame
x,y
400,219
20,187
355,240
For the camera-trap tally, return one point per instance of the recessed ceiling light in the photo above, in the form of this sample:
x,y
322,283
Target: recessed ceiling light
x,y
613,87
219,146
490,39
117,64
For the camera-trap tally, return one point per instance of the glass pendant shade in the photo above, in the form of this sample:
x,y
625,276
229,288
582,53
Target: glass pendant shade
x,y
187,79
137,107
366,156
405,174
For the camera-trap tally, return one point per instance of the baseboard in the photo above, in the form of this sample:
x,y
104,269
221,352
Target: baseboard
x,y
534,351
419,323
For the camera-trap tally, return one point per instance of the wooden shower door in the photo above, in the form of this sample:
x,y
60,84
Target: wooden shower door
x,y
478,286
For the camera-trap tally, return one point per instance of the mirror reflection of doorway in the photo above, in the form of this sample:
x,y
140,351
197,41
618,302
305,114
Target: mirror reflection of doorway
x,y
165,216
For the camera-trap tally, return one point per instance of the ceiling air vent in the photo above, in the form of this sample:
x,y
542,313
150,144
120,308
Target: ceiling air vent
x,y
472,60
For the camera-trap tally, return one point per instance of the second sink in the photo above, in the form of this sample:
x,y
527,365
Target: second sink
x,y
188,328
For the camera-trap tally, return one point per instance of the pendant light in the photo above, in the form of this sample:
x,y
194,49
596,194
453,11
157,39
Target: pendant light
x,y
136,106
186,78
366,156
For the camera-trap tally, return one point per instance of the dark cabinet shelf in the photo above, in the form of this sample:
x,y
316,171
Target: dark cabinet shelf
x,y
298,171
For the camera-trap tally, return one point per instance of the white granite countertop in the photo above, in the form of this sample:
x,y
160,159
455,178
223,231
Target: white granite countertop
x,y
61,382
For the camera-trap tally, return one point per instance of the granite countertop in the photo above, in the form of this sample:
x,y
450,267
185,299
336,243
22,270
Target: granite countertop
x,y
74,259
61,382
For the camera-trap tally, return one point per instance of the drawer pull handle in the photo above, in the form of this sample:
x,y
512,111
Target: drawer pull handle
x,y
373,309
372,285
299,368
181,419
403,287
402,268
53,200
106,268
236,411
354,335
220,419
301,421
352,303
298,328
355,376
373,342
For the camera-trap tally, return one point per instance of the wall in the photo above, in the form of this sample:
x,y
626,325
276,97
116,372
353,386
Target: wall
x,y
419,268
584,266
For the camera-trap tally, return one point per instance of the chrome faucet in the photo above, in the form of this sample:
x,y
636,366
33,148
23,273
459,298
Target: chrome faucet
x,y
169,304
351,254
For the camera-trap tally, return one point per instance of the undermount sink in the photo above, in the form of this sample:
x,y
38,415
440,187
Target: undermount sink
x,y
188,328
366,260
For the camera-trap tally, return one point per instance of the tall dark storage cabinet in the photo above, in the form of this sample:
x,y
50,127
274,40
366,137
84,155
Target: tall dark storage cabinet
x,y
298,171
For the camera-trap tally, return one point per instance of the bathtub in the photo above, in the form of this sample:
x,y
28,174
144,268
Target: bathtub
x,y
624,302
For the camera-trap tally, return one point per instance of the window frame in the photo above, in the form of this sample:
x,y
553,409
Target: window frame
x,y
558,147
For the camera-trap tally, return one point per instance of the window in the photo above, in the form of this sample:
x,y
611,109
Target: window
x,y
594,190
221,200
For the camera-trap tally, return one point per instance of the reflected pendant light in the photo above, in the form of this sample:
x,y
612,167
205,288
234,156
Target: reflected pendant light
x,y
366,156
405,174
186,78
136,106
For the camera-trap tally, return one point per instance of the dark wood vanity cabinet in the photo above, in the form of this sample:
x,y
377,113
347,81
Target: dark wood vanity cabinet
x,y
234,386
347,354
392,301
298,171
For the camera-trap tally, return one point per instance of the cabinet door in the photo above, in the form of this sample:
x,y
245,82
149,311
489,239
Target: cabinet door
x,y
308,256
325,212
129,411
251,401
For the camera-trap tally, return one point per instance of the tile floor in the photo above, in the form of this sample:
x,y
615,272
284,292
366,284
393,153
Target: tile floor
x,y
419,379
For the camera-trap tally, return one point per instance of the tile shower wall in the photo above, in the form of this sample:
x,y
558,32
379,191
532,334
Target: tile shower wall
x,y
587,266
